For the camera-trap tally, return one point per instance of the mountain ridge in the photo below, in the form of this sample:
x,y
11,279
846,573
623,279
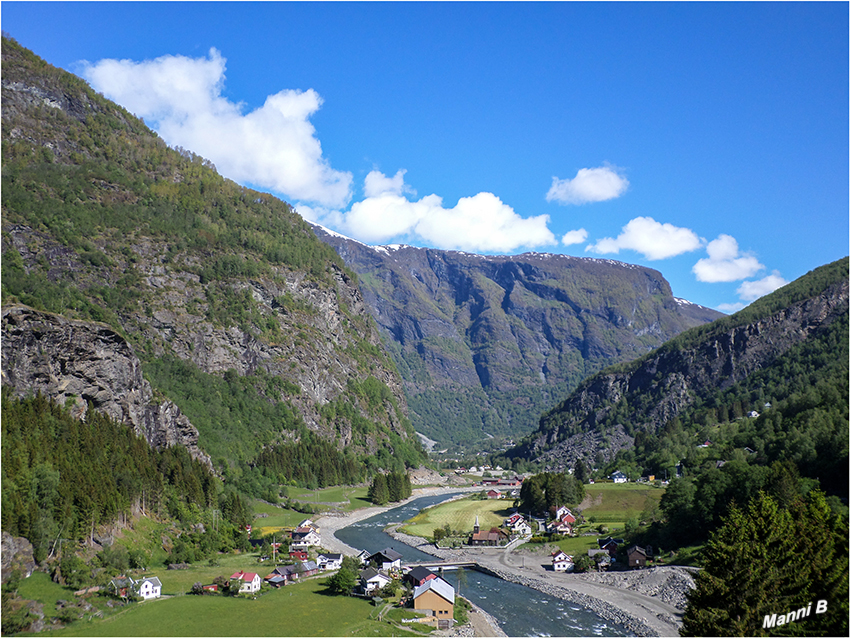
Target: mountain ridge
x,y
645,394
102,222
491,341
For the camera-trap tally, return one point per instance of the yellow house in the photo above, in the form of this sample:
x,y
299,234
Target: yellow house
x,y
438,597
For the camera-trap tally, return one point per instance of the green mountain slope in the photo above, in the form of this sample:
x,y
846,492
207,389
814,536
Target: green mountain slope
x,y
771,378
238,314
486,343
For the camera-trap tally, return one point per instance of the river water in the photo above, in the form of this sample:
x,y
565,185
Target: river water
x,y
521,611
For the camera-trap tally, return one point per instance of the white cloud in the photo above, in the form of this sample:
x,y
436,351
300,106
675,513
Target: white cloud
x,y
752,290
730,308
650,238
479,223
377,184
274,146
589,185
574,237
725,263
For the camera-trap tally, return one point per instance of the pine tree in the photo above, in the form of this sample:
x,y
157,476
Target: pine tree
x,y
378,491
768,560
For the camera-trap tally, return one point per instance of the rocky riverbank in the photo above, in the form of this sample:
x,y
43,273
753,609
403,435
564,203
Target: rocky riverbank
x,y
646,602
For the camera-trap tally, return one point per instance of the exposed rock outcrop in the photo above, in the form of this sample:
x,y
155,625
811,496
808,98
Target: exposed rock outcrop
x,y
16,554
669,380
88,364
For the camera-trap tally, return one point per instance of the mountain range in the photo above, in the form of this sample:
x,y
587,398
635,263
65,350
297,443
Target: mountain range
x,y
485,344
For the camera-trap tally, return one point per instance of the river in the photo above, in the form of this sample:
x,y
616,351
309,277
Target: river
x,y
520,611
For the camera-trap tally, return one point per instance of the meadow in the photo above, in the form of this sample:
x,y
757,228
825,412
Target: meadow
x,y
614,503
459,515
295,610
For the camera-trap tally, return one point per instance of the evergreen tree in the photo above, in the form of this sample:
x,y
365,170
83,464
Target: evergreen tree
x,y
580,472
768,560
378,491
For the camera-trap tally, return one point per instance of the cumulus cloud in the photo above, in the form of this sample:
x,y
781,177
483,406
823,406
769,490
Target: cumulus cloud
x,y
752,290
650,238
574,237
274,146
480,223
589,185
725,263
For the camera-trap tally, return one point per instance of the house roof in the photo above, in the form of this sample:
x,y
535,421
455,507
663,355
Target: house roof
x,y
371,572
420,573
331,556
153,580
438,586
388,555
636,549
306,566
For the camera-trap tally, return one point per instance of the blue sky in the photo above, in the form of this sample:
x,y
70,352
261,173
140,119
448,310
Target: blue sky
x,y
708,141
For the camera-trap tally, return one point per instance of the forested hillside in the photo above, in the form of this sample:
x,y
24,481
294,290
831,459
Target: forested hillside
x,y
783,350
237,313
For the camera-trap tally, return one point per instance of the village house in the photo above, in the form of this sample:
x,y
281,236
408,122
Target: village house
x,y
494,494
637,556
372,580
148,588
610,545
299,554
618,477
282,575
250,582
437,597
304,537
386,559
562,562
329,562
122,586
419,576
518,525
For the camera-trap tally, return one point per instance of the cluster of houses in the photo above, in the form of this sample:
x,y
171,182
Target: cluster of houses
x,y
562,522
502,487
431,594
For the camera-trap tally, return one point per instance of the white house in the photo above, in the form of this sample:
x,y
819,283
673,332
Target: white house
x,y
619,477
148,588
304,537
250,582
386,559
329,561
371,580
562,562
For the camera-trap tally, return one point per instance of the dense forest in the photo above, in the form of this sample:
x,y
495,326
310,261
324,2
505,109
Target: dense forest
x,y
63,478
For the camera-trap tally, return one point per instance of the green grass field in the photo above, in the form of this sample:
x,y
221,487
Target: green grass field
x,y
615,503
295,610
460,515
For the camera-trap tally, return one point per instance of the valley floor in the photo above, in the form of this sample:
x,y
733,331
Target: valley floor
x,y
649,602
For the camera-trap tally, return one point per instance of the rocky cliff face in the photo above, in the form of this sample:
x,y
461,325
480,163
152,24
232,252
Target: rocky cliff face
x,y
486,343
88,364
658,387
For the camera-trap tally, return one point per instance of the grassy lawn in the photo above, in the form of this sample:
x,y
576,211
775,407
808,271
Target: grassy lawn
x,y
295,610
277,518
339,497
460,515
615,503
